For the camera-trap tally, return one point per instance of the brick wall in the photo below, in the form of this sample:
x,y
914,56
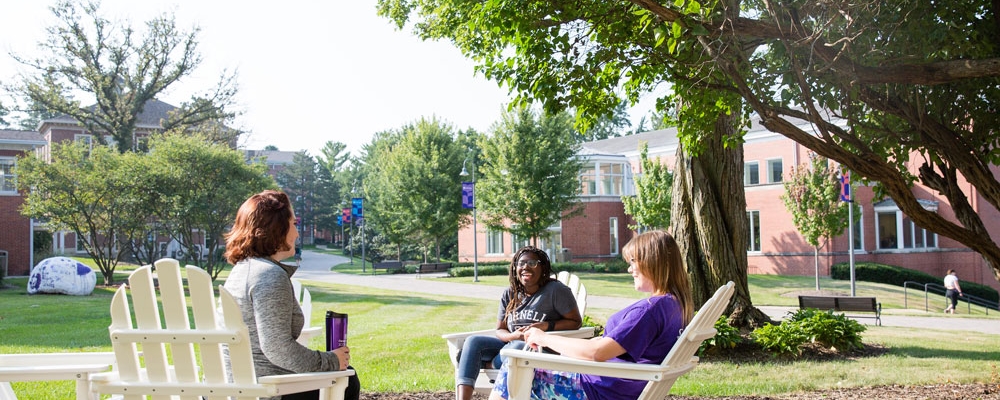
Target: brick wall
x,y
15,236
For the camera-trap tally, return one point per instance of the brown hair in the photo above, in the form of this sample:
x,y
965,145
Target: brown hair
x,y
260,228
656,255
517,289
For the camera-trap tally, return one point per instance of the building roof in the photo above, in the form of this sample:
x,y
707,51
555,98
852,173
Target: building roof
x,y
8,136
152,113
663,141
273,157
626,145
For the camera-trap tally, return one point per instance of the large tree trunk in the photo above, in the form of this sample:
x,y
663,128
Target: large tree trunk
x,y
709,222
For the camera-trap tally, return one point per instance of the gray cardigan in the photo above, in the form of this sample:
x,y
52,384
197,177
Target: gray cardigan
x,y
263,290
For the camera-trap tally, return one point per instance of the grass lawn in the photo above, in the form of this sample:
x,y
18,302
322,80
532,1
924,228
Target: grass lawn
x,y
396,339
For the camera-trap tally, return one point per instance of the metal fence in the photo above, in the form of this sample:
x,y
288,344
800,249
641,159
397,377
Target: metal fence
x,y
933,288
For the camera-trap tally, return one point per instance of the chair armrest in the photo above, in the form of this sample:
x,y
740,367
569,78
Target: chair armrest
x,y
463,335
308,333
457,340
303,377
586,332
647,372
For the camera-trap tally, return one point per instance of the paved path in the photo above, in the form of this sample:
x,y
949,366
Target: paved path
x,y
316,266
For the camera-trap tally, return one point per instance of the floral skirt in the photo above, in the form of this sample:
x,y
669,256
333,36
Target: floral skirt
x,y
547,385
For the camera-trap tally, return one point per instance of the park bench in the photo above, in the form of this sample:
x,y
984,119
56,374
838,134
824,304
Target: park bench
x,y
844,303
389,266
432,267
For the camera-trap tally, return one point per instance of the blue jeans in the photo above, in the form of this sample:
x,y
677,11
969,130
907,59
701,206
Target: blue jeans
x,y
476,351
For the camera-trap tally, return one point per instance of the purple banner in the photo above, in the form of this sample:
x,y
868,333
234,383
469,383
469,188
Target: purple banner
x,y
845,185
468,191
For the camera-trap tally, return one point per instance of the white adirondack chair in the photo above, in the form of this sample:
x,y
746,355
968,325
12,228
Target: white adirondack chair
x,y
52,367
484,382
196,367
661,377
305,301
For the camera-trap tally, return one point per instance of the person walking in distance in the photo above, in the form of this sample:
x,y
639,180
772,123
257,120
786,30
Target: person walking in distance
x,y
953,290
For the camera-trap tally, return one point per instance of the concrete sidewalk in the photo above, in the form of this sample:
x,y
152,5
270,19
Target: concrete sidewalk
x,y
316,266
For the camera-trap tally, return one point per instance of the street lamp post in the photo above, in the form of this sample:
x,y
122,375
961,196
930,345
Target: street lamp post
x,y
475,240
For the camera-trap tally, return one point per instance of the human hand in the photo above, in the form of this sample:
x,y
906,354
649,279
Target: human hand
x,y
343,356
535,338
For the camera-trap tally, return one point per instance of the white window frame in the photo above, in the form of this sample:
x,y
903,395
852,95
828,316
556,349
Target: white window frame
x,y
8,179
748,177
859,233
85,137
494,242
906,232
588,179
612,177
753,242
771,170
613,231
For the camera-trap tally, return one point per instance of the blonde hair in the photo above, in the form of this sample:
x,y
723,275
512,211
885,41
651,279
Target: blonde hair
x,y
658,258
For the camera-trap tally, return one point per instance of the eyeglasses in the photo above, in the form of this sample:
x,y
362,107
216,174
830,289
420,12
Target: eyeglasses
x,y
528,263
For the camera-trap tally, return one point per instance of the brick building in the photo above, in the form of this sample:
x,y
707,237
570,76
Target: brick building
x,y
15,230
884,234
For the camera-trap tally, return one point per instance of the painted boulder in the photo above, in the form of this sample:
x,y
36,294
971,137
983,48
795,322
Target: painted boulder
x,y
62,275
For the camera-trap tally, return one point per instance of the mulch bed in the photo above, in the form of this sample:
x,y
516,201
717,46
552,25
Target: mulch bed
x,y
749,353
945,391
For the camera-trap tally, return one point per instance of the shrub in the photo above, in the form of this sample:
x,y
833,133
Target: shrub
x,y
598,328
784,338
484,270
809,326
726,336
893,275
829,329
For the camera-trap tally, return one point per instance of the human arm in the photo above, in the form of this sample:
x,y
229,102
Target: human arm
x,y
596,349
958,288
275,312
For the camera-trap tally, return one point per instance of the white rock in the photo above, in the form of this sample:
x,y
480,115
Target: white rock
x,y
62,275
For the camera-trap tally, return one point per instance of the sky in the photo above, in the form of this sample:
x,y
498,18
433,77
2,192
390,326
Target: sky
x,y
309,71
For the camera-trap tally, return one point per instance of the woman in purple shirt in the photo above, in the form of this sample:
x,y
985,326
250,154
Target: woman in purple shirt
x,y
643,332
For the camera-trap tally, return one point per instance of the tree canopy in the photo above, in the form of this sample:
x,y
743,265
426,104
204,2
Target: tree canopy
x,y
812,196
121,70
412,186
883,86
529,177
650,207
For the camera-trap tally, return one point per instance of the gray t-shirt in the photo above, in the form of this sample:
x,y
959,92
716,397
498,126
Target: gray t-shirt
x,y
550,303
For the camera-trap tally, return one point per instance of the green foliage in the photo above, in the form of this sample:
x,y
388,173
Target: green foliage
x,y
530,177
785,338
812,196
726,337
809,326
893,275
598,327
201,186
412,185
650,207
484,270
123,72
829,329
931,81
97,193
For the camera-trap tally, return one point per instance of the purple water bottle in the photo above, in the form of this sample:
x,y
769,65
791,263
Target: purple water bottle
x,y
336,330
